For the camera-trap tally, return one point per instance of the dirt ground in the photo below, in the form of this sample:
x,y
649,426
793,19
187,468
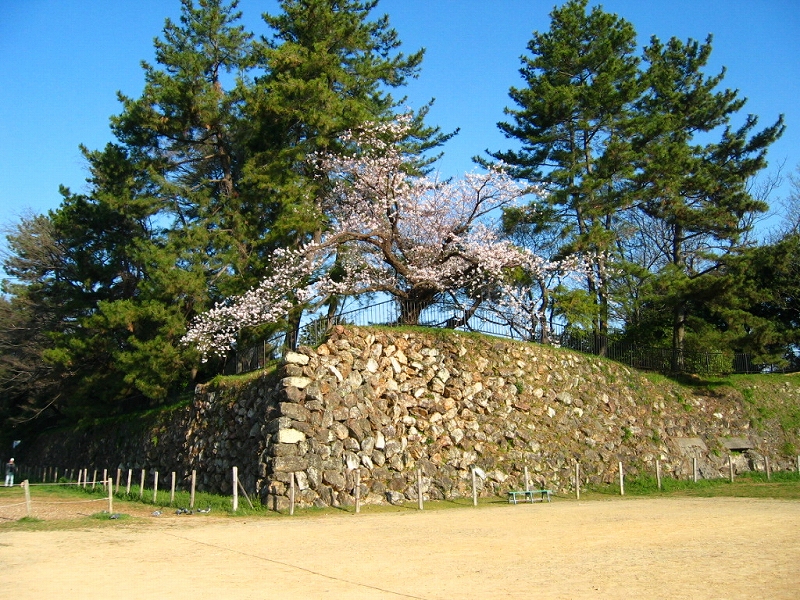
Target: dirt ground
x,y
623,548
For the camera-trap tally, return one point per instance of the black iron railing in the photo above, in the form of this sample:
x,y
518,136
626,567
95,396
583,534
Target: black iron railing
x,y
493,320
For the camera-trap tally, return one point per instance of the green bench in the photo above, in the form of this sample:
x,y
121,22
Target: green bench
x,y
528,495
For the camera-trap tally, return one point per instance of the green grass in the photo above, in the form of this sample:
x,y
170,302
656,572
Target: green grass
x,y
783,485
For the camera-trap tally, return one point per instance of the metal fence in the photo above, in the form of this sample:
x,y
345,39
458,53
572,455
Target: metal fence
x,y
493,320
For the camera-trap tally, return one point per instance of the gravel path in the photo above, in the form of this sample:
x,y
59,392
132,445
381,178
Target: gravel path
x,y
623,548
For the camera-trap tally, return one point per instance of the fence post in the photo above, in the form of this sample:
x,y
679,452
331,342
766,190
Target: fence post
x,y
27,487
141,484
191,494
527,480
119,474
110,497
105,478
694,469
128,487
235,489
94,478
766,466
419,489
577,480
658,474
475,488
155,486
358,490
621,480
730,467
172,491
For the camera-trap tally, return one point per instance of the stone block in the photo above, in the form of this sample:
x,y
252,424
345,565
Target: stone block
x,y
339,430
285,450
736,444
690,445
298,382
294,394
287,464
335,479
294,411
290,436
296,358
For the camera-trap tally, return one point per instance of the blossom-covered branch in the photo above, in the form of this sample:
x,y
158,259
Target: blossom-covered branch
x,y
411,236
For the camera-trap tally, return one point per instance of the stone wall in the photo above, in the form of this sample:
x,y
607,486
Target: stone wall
x,y
222,428
391,402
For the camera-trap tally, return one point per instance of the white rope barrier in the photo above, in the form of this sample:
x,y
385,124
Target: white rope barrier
x,y
73,501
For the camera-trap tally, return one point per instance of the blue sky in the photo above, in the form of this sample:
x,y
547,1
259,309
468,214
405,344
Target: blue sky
x,y
62,62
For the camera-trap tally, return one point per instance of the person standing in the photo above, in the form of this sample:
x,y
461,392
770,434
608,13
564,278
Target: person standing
x,y
10,469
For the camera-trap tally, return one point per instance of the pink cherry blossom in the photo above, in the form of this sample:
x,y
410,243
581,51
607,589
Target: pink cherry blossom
x,y
410,236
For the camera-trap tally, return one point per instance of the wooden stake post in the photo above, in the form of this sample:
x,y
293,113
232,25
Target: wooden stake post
x,y
111,495
194,483
155,486
358,490
474,488
27,487
658,474
419,489
621,480
235,489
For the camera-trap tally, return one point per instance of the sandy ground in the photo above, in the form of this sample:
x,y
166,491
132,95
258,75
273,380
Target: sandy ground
x,y
623,548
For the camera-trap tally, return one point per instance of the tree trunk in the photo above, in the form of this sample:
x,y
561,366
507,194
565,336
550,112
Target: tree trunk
x,y
679,310
413,304
678,334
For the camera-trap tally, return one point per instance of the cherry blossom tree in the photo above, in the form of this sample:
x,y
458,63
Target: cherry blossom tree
x,y
395,232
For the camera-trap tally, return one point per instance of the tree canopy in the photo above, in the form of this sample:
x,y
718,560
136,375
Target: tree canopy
x,y
260,178
643,163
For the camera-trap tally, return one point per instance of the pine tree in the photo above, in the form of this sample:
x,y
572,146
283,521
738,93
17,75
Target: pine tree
x,y
328,69
694,190
185,130
581,80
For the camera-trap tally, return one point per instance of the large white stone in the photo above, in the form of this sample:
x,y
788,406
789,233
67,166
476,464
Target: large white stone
x,y
290,436
298,382
295,358
336,372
